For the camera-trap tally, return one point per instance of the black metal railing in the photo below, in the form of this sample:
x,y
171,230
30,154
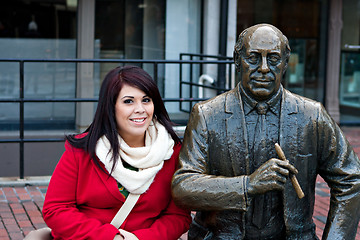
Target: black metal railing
x,y
219,86
21,100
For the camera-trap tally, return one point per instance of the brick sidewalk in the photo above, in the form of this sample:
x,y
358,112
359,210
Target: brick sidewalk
x,y
20,211
20,207
322,192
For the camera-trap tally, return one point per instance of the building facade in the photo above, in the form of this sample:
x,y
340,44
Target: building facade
x,y
324,37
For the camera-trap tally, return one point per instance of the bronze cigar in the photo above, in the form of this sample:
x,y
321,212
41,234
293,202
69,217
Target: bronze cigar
x,y
293,178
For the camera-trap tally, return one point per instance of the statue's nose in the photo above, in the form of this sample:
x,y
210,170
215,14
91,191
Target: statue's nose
x,y
264,68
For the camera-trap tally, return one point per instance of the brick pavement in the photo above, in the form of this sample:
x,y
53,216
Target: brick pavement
x,y
322,191
20,211
20,207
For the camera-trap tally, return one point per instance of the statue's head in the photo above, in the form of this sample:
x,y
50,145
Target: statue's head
x,y
261,57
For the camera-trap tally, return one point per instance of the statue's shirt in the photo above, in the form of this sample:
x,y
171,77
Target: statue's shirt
x,y
265,212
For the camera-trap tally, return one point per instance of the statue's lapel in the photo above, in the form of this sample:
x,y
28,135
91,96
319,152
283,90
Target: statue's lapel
x,y
289,125
289,143
236,134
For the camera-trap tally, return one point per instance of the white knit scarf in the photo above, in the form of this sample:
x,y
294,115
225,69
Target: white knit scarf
x,y
149,159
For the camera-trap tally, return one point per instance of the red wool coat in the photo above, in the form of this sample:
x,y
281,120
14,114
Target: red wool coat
x,y
81,201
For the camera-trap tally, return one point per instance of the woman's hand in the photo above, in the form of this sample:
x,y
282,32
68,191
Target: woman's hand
x,y
127,235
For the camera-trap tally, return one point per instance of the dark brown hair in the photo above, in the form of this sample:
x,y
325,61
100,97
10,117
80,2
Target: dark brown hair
x,y
104,122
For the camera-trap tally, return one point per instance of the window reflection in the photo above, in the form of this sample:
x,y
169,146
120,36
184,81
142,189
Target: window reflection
x,y
130,29
350,64
350,86
304,24
38,29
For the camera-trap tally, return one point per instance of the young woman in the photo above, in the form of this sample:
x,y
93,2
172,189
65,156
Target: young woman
x,y
130,147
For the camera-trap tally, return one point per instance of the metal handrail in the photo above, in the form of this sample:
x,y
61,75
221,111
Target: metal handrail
x,y
205,56
21,99
191,56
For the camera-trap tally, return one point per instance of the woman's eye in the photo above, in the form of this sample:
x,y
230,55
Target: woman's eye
x,y
147,100
128,101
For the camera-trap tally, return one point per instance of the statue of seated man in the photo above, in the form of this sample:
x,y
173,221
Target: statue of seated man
x,y
230,172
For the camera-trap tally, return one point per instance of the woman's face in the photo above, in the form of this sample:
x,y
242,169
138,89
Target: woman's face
x,y
133,112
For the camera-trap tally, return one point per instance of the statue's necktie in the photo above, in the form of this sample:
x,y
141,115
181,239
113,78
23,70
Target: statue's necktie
x,y
260,156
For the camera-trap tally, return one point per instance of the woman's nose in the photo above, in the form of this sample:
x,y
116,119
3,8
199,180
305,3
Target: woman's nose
x,y
139,108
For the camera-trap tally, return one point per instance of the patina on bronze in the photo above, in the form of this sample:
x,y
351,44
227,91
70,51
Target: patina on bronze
x,y
234,179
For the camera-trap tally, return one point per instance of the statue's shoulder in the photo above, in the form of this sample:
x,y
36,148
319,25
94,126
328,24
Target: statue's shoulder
x,y
301,101
217,103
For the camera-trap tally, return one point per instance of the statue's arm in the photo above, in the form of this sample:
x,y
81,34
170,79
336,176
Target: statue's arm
x,y
193,187
340,168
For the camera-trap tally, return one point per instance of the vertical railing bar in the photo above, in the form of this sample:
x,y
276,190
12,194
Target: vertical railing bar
x,y
180,82
228,66
21,127
232,76
156,79
156,73
191,82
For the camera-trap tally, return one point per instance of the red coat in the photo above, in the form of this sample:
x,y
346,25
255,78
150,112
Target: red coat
x,y
81,201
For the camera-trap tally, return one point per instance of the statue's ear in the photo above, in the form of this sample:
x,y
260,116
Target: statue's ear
x,y
236,57
285,66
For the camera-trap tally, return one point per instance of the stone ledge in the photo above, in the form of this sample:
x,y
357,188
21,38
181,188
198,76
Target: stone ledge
x,y
27,181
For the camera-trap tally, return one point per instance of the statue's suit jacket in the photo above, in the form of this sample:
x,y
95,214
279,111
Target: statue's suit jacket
x,y
214,168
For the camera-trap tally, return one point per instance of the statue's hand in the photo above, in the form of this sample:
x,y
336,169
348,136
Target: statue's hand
x,y
272,175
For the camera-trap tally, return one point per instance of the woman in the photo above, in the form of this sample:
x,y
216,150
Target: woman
x,y
130,147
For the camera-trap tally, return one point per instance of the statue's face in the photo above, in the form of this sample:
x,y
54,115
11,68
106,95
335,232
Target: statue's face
x,y
262,64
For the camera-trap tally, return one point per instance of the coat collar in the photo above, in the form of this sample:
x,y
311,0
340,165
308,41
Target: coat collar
x,y
108,181
288,132
233,101
236,133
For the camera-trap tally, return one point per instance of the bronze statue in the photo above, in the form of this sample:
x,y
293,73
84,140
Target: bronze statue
x,y
230,173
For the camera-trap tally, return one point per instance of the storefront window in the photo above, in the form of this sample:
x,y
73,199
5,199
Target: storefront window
x,y
124,29
304,24
38,30
350,64
149,29
130,29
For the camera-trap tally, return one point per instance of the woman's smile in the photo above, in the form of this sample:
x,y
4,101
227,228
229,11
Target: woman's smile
x,y
134,112
138,120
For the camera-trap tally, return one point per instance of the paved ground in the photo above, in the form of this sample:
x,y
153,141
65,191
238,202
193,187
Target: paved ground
x,y
20,207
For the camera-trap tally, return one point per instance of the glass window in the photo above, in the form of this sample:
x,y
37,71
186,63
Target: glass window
x,y
350,64
130,29
304,24
149,29
183,35
38,29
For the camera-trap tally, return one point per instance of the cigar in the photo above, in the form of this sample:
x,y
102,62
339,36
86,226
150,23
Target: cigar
x,y
293,178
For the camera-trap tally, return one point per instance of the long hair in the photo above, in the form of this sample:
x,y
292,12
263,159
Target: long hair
x,y
104,122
